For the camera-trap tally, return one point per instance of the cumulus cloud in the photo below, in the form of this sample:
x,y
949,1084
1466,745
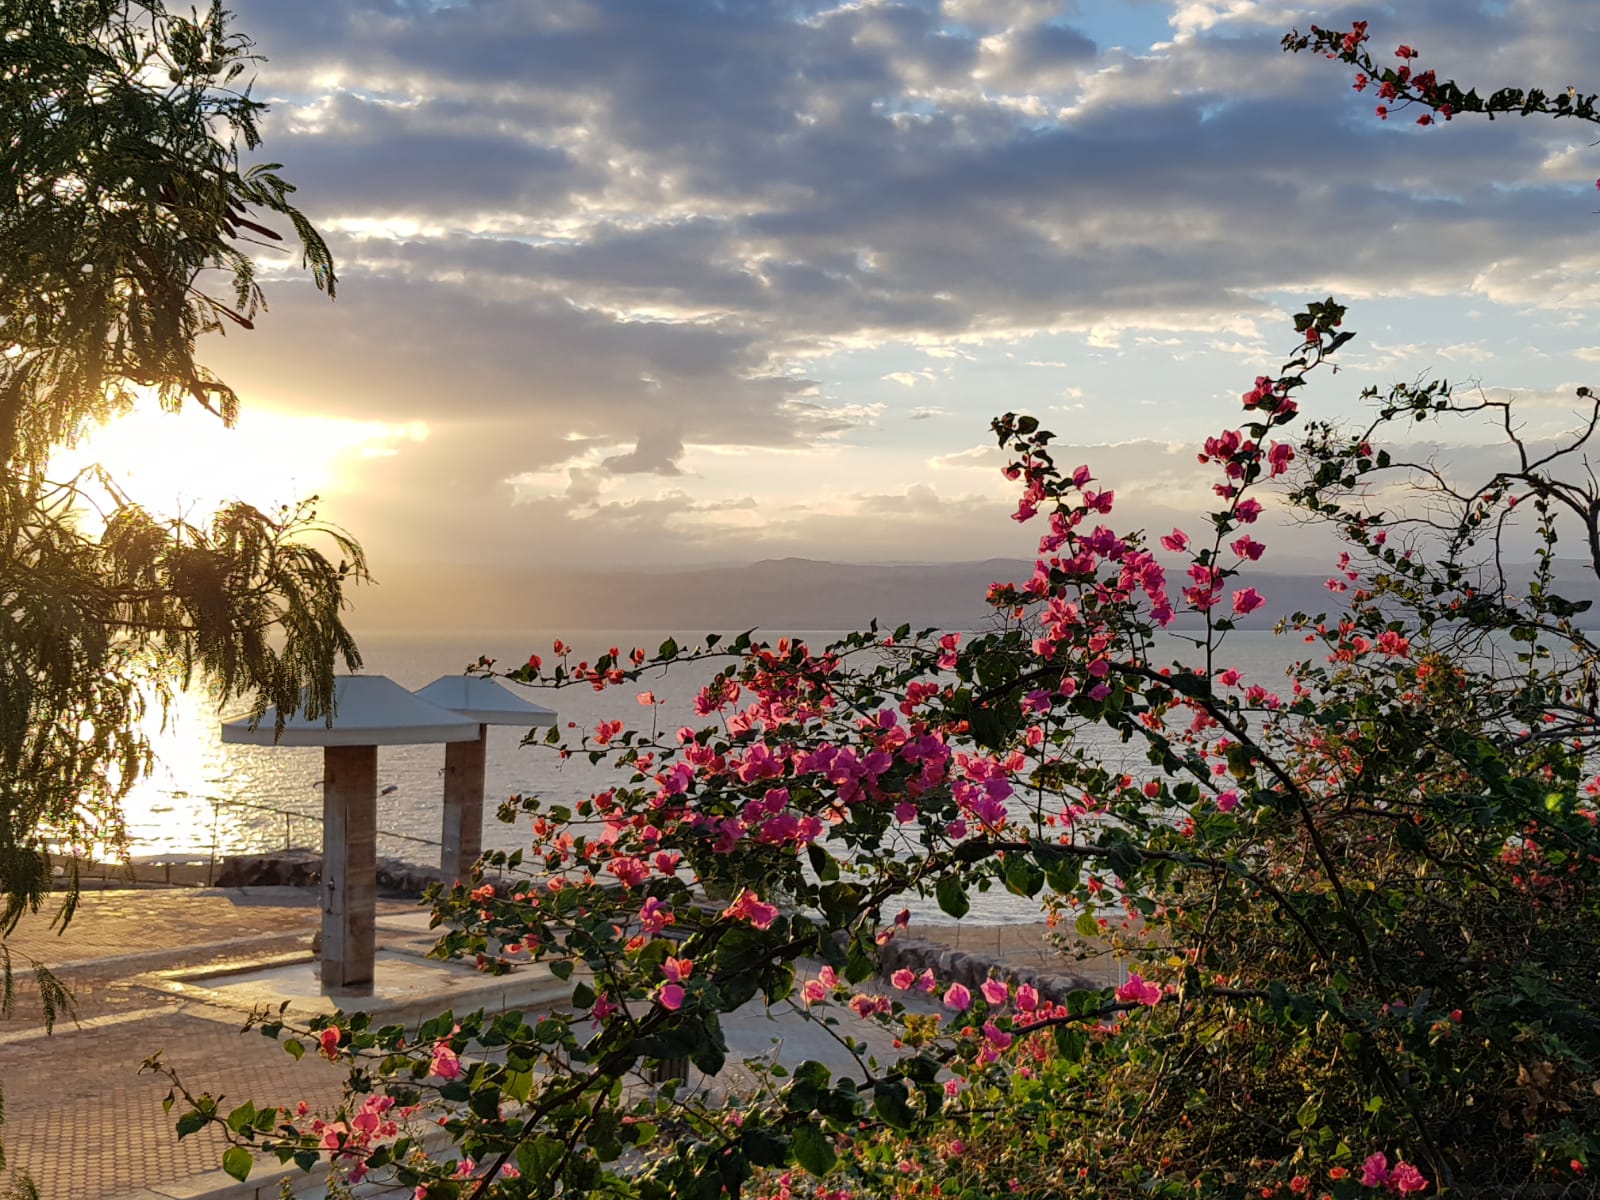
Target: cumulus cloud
x,y
582,236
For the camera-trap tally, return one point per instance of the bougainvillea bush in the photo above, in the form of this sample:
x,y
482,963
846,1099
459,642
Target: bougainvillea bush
x,y
1358,904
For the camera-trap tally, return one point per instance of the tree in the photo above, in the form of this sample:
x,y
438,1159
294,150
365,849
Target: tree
x,y
1362,906
127,225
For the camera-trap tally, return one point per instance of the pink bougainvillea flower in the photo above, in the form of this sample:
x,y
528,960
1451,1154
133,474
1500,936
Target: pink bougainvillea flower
x,y
1247,601
1406,1178
926,982
866,1005
1375,1171
1139,991
1177,541
328,1044
1027,998
947,647
814,992
1228,801
904,979
749,907
444,1063
1246,546
631,872
655,916
678,969
997,1037
957,996
671,996
995,992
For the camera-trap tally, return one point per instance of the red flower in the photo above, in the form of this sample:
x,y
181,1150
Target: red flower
x,y
1405,52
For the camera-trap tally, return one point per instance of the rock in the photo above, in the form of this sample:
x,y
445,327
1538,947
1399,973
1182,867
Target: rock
x,y
281,868
303,868
397,878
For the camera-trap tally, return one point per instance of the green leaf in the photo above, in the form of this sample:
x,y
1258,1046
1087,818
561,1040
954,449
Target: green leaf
x,y
536,1159
518,1085
485,1103
1071,1042
561,969
236,1161
952,897
1023,878
669,649
813,1149
841,900
1086,925
763,1147
822,863
889,1102
295,1047
191,1122
1062,875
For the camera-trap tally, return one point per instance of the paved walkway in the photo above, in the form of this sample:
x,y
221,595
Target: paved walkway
x,y
79,1117
86,1125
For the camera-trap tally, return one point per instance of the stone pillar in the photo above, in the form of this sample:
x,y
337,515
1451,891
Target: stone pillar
x,y
349,868
462,837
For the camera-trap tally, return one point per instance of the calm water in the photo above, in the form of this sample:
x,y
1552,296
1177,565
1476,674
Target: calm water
x,y
189,807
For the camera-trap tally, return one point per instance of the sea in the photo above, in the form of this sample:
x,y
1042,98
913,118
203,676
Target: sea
x,y
205,800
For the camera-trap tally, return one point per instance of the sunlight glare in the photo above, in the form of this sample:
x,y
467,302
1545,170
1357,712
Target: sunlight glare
x,y
190,464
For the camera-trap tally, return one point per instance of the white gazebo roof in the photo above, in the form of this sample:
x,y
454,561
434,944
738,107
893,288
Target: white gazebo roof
x,y
485,701
369,710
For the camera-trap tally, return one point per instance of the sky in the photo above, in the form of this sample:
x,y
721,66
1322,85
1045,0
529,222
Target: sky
x,y
668,282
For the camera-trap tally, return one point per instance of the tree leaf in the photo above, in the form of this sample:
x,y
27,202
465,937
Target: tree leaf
x,y
952,897
237,1161
813,1149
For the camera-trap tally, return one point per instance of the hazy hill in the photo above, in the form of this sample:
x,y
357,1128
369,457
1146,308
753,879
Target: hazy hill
x,y
775,594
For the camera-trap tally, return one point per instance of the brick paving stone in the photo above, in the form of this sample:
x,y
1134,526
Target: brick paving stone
x,y
85,1124
80,1119
111,923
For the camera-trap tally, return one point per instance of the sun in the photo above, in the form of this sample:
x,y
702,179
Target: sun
x,y
188,464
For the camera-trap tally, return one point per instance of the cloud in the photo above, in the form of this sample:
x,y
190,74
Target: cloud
x,y
910,378
584,236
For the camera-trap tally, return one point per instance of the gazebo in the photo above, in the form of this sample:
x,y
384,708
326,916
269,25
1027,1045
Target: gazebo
x,y
474,698
370,711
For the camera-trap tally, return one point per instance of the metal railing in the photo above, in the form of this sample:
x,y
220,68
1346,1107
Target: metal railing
x,y
289,815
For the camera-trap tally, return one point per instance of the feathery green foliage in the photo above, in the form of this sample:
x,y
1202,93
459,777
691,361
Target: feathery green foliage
x,y
127,223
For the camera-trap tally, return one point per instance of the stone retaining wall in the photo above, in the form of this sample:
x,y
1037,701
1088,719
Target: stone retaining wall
x,y
303,868
965,967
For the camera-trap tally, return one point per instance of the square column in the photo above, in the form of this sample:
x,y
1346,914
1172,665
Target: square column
x,y
462,835
349,868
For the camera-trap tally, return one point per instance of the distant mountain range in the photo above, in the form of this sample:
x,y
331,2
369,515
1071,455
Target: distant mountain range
x,y
776,594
